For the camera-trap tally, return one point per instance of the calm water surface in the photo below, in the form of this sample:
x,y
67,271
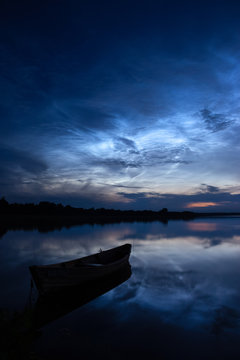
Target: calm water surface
x,y
181,301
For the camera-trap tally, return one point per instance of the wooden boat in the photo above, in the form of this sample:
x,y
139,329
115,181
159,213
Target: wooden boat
x,y
54,277
54,305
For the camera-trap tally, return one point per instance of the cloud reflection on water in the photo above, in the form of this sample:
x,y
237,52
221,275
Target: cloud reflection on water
x,y
188,284
185,273
202,226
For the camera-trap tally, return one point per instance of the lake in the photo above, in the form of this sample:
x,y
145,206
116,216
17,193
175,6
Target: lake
x,y
182,299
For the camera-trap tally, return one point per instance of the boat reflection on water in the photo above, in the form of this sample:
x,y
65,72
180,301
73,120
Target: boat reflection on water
x,y
50,307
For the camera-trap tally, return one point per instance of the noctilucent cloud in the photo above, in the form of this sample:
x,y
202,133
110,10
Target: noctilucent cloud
x,y
121,104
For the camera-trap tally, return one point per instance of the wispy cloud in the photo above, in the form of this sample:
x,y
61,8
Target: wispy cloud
x,y
114,163
12,159
142,108
209,189
215,122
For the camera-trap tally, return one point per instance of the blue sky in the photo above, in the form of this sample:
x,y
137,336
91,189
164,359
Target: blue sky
x,y
125,104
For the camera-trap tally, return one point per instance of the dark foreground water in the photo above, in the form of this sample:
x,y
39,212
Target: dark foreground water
x,y
182,300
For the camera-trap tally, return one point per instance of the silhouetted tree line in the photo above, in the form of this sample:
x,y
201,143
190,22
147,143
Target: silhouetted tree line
x,y
47,216
46,208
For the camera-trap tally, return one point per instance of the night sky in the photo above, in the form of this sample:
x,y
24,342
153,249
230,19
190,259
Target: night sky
x,y
121,104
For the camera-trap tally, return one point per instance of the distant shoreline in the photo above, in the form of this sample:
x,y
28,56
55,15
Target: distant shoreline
x,y
49,210
47,216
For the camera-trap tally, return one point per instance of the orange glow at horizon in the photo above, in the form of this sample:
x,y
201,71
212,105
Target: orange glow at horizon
x,y
201,204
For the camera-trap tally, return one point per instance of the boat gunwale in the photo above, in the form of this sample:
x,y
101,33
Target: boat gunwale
x,y
81,261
